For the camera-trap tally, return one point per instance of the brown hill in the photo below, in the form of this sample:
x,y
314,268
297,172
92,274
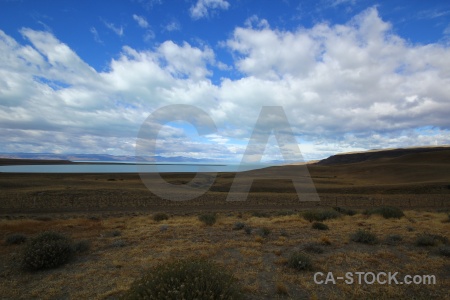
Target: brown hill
x,y
348,158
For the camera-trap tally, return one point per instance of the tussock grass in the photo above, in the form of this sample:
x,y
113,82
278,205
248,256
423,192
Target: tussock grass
x,y
320,215
160,217
299,261
15,239
47,250
387,212
258,263
208,219
186,279
364,236
319,226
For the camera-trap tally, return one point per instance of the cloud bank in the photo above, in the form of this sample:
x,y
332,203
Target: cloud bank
x,y
343,87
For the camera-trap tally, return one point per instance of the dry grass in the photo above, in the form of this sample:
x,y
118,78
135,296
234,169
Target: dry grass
x,y
258,262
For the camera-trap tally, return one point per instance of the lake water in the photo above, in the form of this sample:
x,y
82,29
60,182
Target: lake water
x,y
128,168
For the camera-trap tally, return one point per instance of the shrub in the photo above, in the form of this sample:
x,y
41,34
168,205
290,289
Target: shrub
x,y
319,226
263,232
248,230
81,246
284,233
208,219
320,215
15,239
260,214
299,261
118,244
388,212
186,279
283,213
160,217
364,236
426,239
47,250
238,226
345,211
313,248
113,233
393,239
444,251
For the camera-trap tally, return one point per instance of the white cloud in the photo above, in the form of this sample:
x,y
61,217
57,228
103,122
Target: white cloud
x,y
172,26
116,29
95,34
203,8
344,87
142,22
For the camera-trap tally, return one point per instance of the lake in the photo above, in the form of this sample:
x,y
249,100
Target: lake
x,y
128,168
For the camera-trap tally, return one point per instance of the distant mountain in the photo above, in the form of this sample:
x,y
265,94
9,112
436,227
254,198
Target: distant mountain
x,y
100,157
356,157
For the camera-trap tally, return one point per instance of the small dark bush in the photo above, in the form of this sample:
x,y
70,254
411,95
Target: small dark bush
x,y
284,233
299,261
160,217
264,231
43,218
15,239
364,236
345,211
320,215
113,233
426,239
238,226
260,214
444,251
313,248
186,279
81,246
118,244
248,230
319,226
285,213
387,212
208,219
47,250
393,239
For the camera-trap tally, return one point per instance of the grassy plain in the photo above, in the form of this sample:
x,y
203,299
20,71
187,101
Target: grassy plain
x,y
114,213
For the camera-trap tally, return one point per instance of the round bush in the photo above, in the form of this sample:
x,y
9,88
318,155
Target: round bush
x,y
319,226
186,279
388,212
320,215
427,239
160,217
364,236
15,239
208,219
238,226
47,250
299,261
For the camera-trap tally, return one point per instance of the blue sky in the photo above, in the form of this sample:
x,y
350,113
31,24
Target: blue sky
x,y
82,76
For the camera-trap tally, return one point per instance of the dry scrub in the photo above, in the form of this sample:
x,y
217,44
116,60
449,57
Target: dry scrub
x,y
259,261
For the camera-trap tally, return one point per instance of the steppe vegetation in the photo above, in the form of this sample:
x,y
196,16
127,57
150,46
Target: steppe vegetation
x,y
109,255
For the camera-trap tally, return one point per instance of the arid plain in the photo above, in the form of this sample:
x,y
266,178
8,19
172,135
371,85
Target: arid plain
x,y
114,215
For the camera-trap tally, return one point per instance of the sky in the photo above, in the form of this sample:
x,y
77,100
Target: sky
x,y
351,75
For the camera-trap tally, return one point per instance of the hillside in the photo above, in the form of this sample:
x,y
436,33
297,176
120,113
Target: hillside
x,y
348,158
